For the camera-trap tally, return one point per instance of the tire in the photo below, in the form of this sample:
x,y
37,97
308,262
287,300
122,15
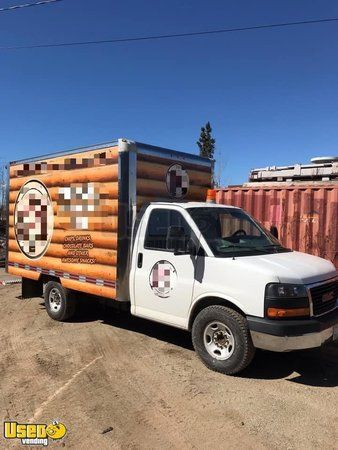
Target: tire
x,y
222,339
58,302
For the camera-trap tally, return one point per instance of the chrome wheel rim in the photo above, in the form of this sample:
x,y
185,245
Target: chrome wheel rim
x,y
219,340
55,300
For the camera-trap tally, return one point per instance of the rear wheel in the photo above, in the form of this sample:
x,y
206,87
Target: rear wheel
x,y
222,340
59,303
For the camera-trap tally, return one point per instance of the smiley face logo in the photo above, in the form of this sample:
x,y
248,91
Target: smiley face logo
x,y
33,219
56,430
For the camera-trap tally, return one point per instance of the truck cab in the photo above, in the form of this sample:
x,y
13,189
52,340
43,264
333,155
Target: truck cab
x,y
214,270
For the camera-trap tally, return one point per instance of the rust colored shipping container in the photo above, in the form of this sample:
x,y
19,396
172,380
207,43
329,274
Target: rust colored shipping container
x,y
305,215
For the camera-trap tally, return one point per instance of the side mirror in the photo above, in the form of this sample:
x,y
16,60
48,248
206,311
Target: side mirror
x,y
177,240
192,249
274,231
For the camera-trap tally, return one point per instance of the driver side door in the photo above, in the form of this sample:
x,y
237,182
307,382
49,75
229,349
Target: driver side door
x,y
163,281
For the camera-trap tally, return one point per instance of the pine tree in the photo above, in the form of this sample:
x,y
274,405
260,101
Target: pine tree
x,y
206,142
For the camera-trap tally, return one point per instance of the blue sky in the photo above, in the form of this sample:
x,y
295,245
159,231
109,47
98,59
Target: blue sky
x,y
271,96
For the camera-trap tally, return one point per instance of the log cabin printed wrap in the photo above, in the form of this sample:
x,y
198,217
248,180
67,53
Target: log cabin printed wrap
x,y
81,201
76,239
167,175
78,233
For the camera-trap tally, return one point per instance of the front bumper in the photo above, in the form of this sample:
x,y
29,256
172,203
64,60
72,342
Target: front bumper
x,y
288,335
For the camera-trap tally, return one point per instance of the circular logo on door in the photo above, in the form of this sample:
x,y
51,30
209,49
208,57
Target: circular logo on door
x,y
163,278
177,180
33,219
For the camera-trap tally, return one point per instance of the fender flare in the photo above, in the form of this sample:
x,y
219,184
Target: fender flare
x,y
212,298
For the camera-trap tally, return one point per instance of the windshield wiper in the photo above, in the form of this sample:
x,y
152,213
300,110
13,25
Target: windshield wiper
x,y
272,246
246,247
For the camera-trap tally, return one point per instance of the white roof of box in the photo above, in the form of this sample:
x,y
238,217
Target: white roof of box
x,y
187,205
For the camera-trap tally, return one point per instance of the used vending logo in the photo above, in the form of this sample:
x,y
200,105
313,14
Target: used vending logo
x,y
34,433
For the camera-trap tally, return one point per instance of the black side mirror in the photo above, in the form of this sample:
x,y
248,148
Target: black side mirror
x,y
274,231
177,240
192,248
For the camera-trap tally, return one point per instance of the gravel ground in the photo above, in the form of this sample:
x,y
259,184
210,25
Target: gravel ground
x,y
121,382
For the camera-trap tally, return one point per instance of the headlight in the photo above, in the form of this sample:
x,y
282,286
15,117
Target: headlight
x,y
284,301
281,290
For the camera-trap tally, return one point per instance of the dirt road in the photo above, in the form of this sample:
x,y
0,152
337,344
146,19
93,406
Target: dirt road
x,y
121,382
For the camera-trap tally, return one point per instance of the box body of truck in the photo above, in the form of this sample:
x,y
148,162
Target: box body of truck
x,y
71,214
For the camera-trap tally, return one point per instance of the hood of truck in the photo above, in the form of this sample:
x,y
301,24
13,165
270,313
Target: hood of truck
x,y
290,267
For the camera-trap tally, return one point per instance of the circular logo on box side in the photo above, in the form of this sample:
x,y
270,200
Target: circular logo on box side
x,y
177,180
33,219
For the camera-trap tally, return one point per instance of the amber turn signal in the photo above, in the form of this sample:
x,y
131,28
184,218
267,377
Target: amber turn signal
x,y
211,196
276,313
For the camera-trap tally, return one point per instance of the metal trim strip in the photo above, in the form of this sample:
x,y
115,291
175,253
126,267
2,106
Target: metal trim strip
x,y
7,219
66,275
126,214
174,155
65,152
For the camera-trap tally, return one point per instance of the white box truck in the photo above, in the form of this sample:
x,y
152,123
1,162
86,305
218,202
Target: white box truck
x,y
130,222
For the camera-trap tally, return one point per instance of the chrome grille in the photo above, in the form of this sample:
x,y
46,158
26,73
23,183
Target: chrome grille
x,y
324,297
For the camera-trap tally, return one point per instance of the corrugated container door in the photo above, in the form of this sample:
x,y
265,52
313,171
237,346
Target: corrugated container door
x,y
305,215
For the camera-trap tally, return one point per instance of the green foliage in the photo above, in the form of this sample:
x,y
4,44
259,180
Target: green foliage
x,y
206,142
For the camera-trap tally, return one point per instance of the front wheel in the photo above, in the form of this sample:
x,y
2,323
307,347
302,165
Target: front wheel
x,y
222,340
60,305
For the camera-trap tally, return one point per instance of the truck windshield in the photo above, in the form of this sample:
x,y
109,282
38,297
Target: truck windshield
x,y
231,232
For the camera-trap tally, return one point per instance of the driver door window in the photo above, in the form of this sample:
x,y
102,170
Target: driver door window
x,y
160,221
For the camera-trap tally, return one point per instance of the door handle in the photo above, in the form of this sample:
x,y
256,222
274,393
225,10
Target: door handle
x,y
139,260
